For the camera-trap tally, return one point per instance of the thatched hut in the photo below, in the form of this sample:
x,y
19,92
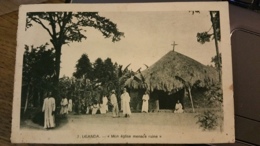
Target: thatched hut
x,y
170,78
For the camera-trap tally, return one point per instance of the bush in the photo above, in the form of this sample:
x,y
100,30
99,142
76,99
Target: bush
x,y
207,120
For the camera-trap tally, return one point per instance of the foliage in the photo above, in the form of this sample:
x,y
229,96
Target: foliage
x,y
215,61
83,68
203,37
207,120
38,62
66,86
216,35
66,27
38,73
101,76
206,36
99,70
216,21
215,95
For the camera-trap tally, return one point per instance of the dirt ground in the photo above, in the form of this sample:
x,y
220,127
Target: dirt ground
x,y
185,121
160,127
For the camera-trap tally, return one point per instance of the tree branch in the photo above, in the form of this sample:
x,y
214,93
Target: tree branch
x,y
52,22
40,22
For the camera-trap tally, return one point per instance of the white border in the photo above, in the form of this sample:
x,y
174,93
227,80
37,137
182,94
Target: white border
x,y
227,136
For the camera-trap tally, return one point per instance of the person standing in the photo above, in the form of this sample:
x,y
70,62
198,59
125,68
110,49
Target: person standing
x,y
121,104
114,104
145,102
49,109
64,106
126,103
70,105
104,107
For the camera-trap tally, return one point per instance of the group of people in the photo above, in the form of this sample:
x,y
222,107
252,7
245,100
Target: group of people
x,y
49,107
95,107
66,106
125,104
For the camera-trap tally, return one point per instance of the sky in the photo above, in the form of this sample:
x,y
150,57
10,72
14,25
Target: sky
x,y
148,37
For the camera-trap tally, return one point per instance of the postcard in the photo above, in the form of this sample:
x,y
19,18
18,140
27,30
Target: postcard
x,y
123,73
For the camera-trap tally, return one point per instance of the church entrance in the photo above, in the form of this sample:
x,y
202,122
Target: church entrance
x,y
168,101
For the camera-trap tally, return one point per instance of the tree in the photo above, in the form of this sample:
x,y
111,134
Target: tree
x,y
66,27
215,93
216,35
99,70
109,70
84,68
38,73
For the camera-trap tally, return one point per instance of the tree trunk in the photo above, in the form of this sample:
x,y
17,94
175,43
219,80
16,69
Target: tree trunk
x,y
182,98
191,100
57,70
27,99
216,44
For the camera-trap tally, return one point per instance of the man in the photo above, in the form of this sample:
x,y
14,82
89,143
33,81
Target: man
x,y
64,106
103,106
145,102
49,108
178,107
114,104
70,105
126,103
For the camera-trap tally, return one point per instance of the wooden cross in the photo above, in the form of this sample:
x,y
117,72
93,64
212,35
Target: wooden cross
x,y
173,45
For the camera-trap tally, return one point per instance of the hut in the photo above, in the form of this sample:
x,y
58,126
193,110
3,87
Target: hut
x,y
170,78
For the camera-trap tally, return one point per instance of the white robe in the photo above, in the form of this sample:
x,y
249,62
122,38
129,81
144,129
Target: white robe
x,y
178,108
145,103
126,103
70,105
48,108
113,101
104,107
64,106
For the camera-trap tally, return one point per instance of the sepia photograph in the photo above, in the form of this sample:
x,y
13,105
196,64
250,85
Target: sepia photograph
x,y
123,73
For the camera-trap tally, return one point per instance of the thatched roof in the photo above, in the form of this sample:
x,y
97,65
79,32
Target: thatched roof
x,y
172,72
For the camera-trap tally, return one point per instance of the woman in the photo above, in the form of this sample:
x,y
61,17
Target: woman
x,y
145,102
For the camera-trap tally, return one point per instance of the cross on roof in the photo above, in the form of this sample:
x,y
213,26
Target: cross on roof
x,y
173,45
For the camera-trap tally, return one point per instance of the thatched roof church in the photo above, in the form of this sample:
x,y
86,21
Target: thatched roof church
x,y
172,73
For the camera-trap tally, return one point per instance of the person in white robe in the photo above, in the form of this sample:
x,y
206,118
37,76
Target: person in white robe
x,y
126,103
114,103
178,107
64,106
105,102
104,106
145,102
70,105
49,108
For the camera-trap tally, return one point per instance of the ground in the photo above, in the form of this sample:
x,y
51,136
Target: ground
x,y
185,121
162,127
